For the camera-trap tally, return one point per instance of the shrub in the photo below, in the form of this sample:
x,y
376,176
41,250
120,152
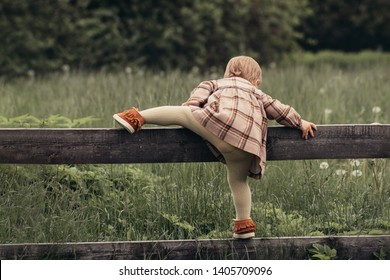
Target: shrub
x,y
42,36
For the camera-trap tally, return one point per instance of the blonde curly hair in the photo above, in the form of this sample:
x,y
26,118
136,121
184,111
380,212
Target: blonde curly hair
x,y
245,67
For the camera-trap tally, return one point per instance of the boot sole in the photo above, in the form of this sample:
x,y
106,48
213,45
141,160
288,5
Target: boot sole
x,y
244,235
123,123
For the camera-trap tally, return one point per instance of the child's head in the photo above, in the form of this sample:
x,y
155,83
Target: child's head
x,y
244,67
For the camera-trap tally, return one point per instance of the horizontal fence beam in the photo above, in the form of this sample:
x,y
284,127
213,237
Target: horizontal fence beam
x,y
273,248
159,145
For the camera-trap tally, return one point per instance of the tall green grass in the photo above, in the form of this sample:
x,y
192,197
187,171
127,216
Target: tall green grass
x,y
172,201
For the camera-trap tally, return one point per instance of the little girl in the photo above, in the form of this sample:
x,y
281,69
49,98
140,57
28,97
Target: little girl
x,y
231,115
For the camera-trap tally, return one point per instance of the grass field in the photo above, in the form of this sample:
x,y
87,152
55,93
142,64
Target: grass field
x,y
172,201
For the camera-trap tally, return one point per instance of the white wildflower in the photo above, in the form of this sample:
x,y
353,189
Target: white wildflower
x,y
376,109
357,173
272,65
195,70
341,172
65,68
355,163
128,70
328,111
324,165
214,76
327,114
322,90
31,73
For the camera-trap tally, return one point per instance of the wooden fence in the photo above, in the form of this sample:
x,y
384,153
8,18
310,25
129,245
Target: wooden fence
x,y
273,248
162,145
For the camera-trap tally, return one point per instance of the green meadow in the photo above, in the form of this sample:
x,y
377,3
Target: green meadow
x,y
69,203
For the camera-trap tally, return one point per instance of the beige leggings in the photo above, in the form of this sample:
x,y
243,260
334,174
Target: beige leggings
x,y
237,161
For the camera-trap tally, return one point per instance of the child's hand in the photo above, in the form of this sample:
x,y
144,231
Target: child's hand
x,y
307,127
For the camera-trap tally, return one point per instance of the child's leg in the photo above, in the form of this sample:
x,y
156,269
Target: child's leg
x,y
182,115
237,161
164,115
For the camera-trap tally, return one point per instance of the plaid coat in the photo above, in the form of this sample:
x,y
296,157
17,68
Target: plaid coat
x,y
237,112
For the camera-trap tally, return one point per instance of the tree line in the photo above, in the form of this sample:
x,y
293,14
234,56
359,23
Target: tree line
x,y
46,35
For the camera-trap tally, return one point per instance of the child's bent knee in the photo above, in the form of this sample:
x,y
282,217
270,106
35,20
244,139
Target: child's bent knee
x,y
184,117
238,155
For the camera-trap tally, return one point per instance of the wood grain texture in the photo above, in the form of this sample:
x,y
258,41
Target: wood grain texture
x,y
273,248
160,145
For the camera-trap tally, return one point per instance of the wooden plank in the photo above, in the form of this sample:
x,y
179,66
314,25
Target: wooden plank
x,y
274,248
95,146
330,142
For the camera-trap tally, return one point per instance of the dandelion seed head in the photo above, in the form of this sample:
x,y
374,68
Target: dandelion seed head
x,y
65,68
195,70
328,111
31,73
324,165
214,76
128,70
272,65
357,173
355,163
341,172
327,114
376,109
322,90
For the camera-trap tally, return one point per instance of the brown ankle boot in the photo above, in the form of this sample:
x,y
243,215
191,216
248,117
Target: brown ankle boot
x,y
244,228
130,119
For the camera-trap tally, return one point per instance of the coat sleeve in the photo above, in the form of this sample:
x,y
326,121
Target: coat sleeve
x,y
200,94
275,110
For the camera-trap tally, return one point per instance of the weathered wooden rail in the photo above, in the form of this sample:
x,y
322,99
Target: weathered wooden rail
x,y
159,145
273,248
